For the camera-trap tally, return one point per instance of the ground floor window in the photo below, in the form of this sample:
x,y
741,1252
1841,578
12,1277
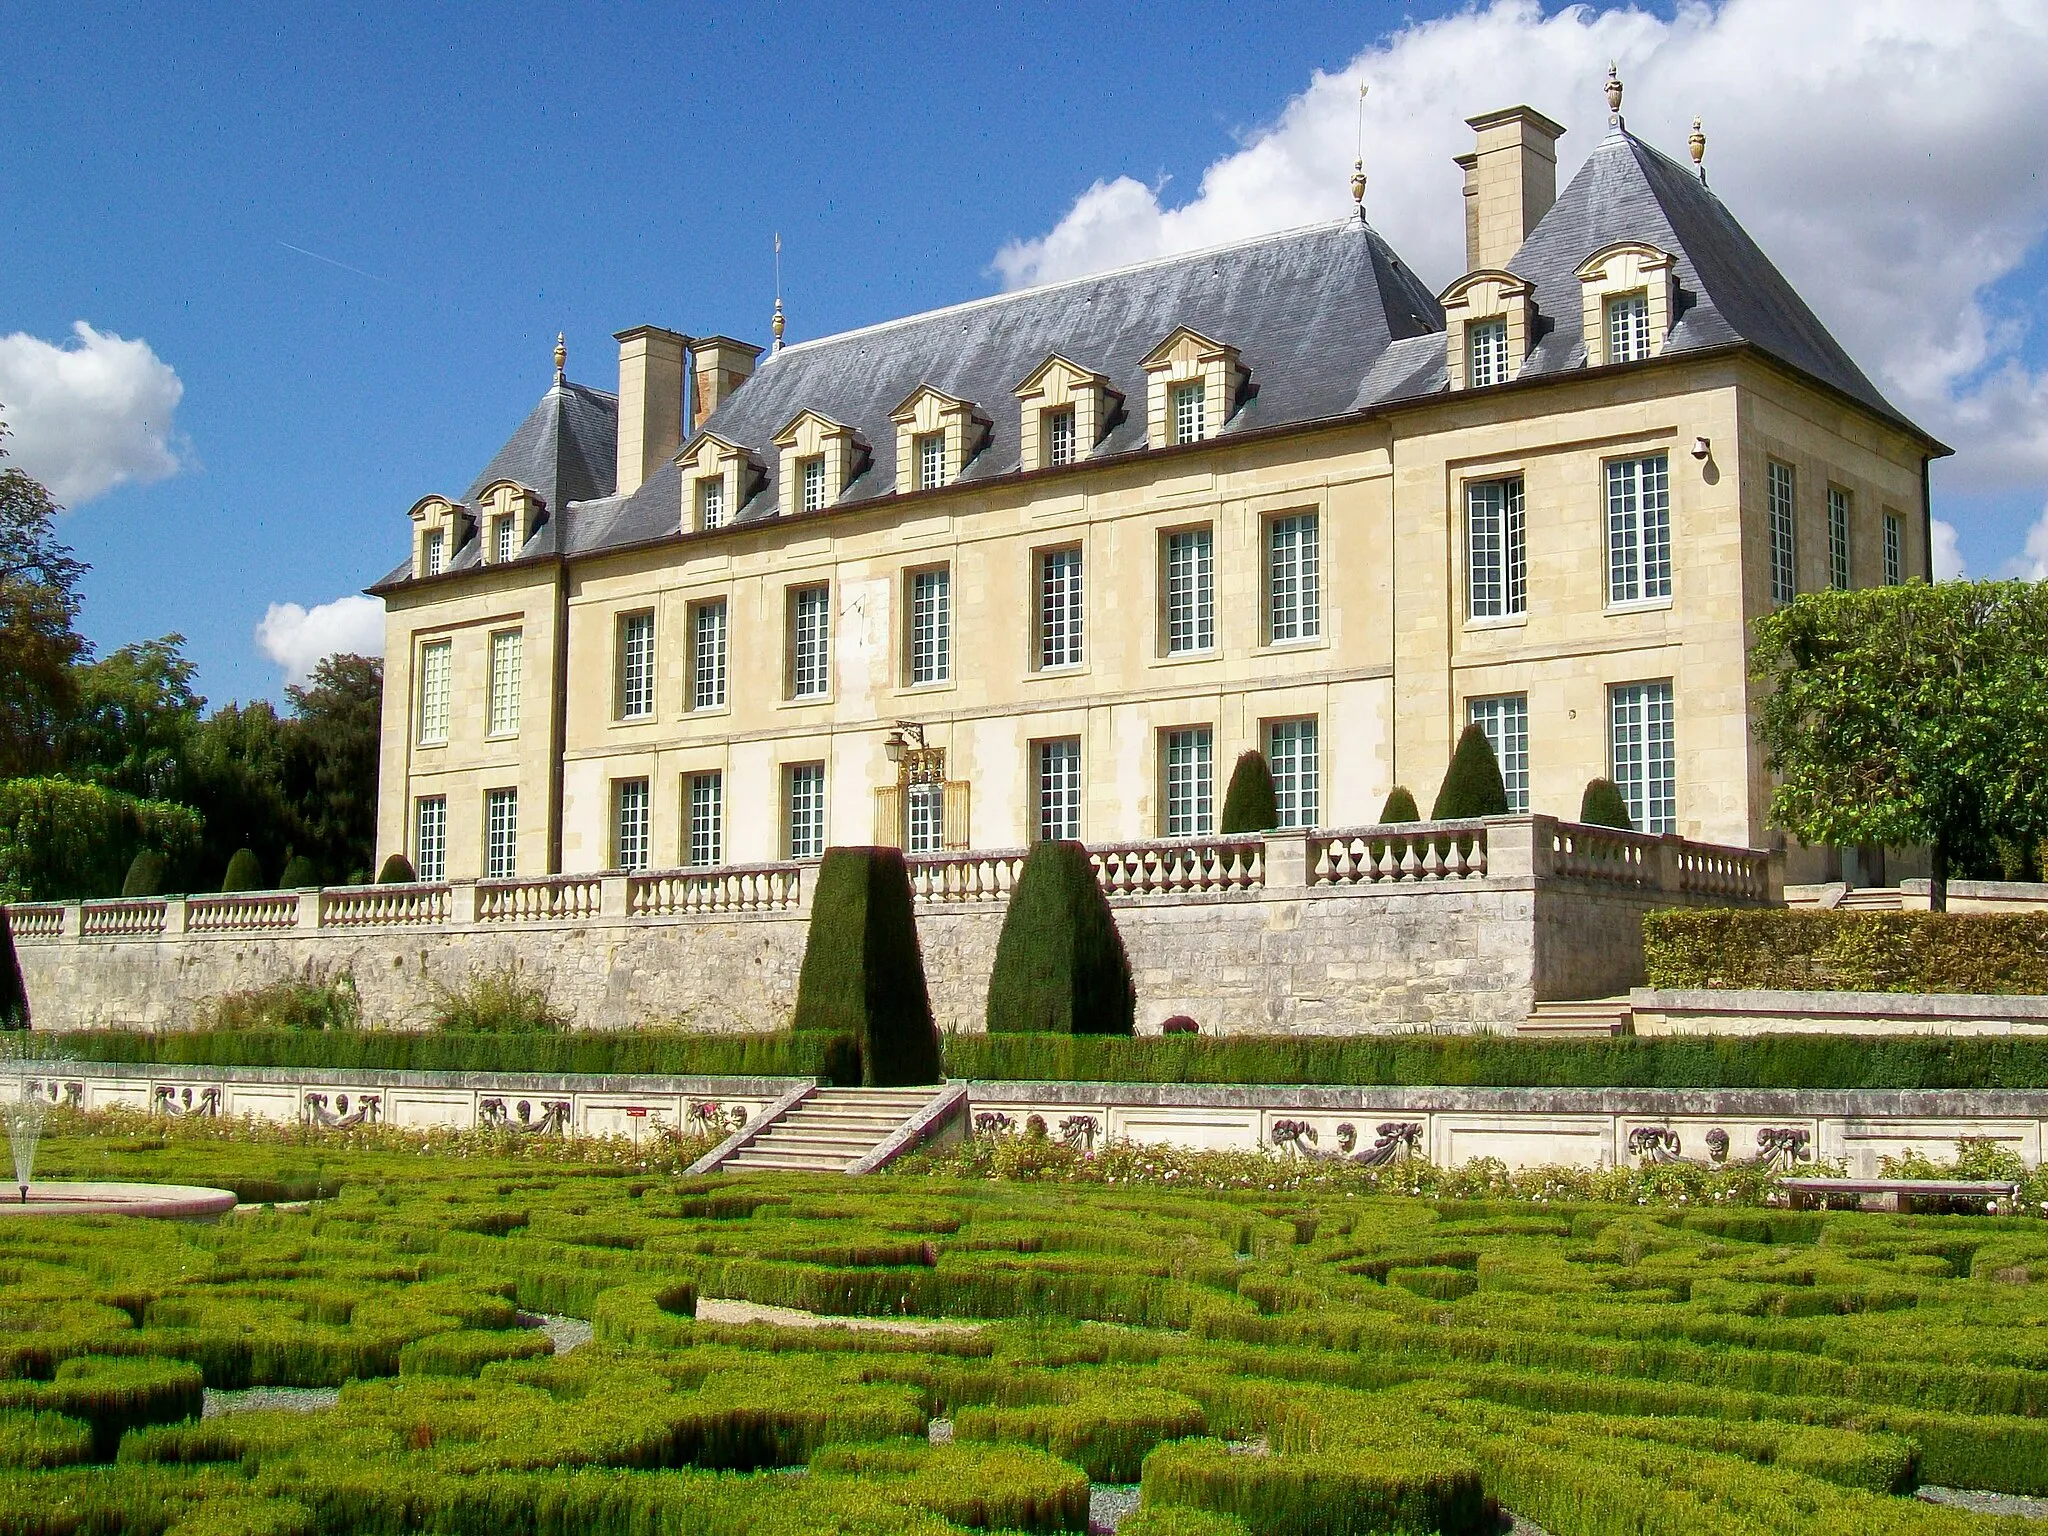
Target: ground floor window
x,y
925,818
1190,782
430,839
501,834
1293,752
1505,720
804,797
707,819
1645,754
1059,790
630,824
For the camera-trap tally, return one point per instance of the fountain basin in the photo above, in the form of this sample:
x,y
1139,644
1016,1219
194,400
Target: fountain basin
x,y
170,1202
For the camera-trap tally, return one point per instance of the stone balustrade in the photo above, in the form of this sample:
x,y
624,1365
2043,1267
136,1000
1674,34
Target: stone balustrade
x,y
736,888
559,898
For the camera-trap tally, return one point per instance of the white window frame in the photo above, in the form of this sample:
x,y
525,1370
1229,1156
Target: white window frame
x,y
929,641
1188,403
433,551
1188,781
501,834
1061,614
707,654
1643,752
632,824
436,664
507,683
812,471
1496,549
504,546
810,642
1505,720
1057,765
1638,529
803,796
1839,509
1486,352
711,502
704,847
1781,507
1894,550
430,838
1294,578
1059,427
636,665
1628,326
1188,565
1294,754
930,448
924,818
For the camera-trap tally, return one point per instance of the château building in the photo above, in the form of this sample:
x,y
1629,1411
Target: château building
x,y
1044,564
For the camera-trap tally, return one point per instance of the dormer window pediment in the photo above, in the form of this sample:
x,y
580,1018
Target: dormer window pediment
x,y
719,477
440,528
509,513
1065,410
1489,327
1627,297
937,436
820,458
1193,387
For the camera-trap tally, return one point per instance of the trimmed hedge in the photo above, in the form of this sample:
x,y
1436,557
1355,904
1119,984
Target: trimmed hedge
x,y
1400,807
1602,806
1250,804
111,1395
1106,1433
397,870
1060,963
465,1351
992,1488
1995,953
14,1013
1472,784
863,974
244,873
30,1439
1345,1492
146,874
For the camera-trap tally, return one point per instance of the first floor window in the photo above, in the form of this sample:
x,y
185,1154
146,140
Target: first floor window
x,y
1838,538
1293,752
931,461
636,666
924,815
630,824
1190,421
1628,328
931,626
1059,437
501,834
814,483
1486,343
711,502
707,819
1059,608
1496,542
1638,528
1294,578
1190,780
1059,790
430,837
507,648
1505,720
810,642
1190,591
804,797
1645,754
707,656
434,662
1780,494
1894,550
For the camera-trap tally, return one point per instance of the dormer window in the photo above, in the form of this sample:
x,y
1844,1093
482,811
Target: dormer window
x,y
503,541
820,459
1489,326
1190,420
711,503
718,476
1193,387
937,437
433,552
1486,353
931,461
1628,328
814,483
1628,302
1057,432
1065,411
440,528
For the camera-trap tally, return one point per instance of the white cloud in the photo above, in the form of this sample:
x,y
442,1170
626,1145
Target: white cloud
x,y
299,639
1948,559
89,416
2031,564
1885,154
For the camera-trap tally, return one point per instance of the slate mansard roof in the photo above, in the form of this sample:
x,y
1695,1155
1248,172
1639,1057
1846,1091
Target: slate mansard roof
x,y
1328,321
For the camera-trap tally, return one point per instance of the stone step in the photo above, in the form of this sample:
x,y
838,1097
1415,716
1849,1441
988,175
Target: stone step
x,y
850,1146
837,1121
1875,898
790,1162
1588,1018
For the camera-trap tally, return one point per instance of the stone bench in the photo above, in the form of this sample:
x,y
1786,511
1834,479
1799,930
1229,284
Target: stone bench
x,y
1902,1194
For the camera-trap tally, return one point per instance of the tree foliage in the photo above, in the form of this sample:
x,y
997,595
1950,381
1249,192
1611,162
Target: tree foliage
x,y
1060,964
1400,807
339,720
14,1012
38,603
1472,786
863,974
1910,714
61,839
136,712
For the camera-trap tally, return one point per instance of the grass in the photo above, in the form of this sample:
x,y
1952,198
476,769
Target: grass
x,y
1406,1361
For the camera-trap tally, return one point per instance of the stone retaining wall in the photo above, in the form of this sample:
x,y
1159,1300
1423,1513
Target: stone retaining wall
x,y
1706,1011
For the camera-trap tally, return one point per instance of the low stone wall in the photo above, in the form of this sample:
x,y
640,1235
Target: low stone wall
x,y
1734,1012
1453,926
1977,896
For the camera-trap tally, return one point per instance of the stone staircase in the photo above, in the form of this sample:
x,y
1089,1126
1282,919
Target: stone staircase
x,y
837,1130
1590,1018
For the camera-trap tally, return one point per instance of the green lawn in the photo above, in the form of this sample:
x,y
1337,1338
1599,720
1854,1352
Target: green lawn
x,y
1380,1364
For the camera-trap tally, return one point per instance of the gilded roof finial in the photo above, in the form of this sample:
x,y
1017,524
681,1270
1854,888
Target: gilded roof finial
x,y
1613,96
561,354
1358,165
777,323
1698,145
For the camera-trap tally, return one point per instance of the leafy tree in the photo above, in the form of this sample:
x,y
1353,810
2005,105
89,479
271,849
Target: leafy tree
x,y
38,603
1603,806
133,721
338,721
237,764
1472,786
863,974
1400,807
1910,714
60,840
1060,964
13,991
1250,804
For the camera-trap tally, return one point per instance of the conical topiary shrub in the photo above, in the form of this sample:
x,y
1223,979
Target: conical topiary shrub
x,y
863,974
1400,807
145,874
1473,785
1060,963
1249,805
13,994
299,873
397,870
1602,806
244,873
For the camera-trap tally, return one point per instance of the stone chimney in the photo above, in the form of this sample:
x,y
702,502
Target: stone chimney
x,y
1510,182
719,366
651,369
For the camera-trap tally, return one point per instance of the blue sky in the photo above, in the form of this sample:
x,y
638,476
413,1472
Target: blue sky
x,y
471,180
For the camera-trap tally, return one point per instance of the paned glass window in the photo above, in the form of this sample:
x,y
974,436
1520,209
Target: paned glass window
x,y
1838,538
810,642
434,660
707,655
630,839
430,837
1486,353
1292,751
1645,754
502,534
1781,494
924,815
707,819
1059,608
1190,420
814,483
507,660
931,461
1190,591
1894,551
711,502
1505,720
931,626
501,834
1638,528
804,798
1294,578
1628,328
1059,436
1190,782
434,548
636,666
1059,790
1496,541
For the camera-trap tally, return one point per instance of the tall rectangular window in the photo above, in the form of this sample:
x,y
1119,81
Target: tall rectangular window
x,y
804,809
814,483
507,660
501,834
1894,550
1059,790
430,837
711,502
636,666
707,655
931,626
1486,353
1190,418
434,692
1293,751
1505,720
1059,436
630,829
1190,591
810,646
1780,492
707,820
1838,538
502,545
1638,529
1190,782
1628,328
1496,543
924,818
1059,608
433,551
931,461
1294,578
1645,754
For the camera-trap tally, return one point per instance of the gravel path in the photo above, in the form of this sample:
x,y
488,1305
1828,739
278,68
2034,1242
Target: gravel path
x,y
567,1333
1986,1503
715,1309
250,1399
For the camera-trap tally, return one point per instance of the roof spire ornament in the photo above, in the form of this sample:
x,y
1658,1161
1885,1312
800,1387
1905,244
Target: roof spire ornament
x,y
776,324
1614,123
561,354
1358,165
1697,143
